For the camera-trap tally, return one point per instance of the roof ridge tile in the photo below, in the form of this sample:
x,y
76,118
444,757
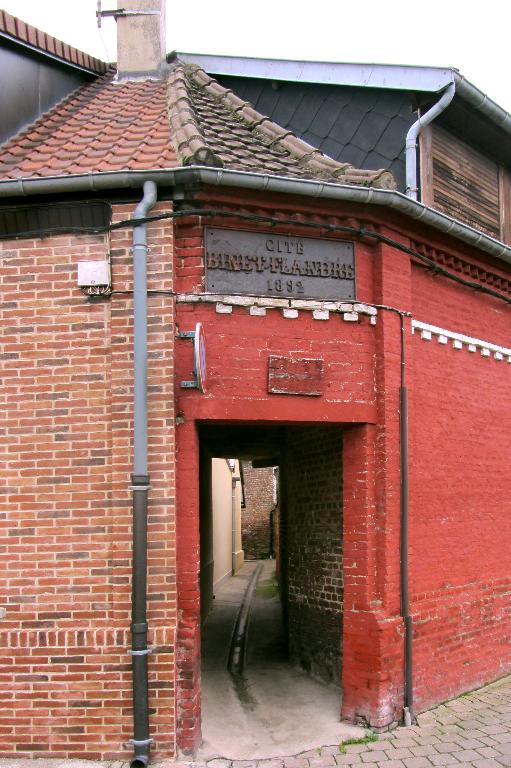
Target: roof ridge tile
x,y
307,157
187,136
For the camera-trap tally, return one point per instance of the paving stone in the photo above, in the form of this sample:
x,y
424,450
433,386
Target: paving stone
x,y
421,751
445,759
503,749
486,762
406,741
467,754
399,753
392,764
488,752
348,759
373,757
323,761
297,762
243,764
468,743
417,762
446,746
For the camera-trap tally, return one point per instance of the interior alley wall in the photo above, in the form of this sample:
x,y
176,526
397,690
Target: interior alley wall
x,y
313,549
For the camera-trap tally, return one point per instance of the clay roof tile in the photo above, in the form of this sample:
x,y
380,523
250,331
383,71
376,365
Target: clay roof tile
x,y
229,131
188,119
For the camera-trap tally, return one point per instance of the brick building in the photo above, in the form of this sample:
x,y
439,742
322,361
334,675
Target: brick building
x,y
257,513
355,334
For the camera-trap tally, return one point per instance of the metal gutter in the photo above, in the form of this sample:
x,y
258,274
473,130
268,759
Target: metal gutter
x,y
257,182
480,101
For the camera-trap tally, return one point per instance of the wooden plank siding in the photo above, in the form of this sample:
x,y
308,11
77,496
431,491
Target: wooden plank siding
x,y
505,196
465,184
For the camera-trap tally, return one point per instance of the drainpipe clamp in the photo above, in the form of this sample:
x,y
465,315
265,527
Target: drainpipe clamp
x,y
139,487
141,743
143,652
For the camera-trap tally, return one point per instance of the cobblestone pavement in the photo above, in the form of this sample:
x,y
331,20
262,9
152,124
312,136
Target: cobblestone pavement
x,y
473,731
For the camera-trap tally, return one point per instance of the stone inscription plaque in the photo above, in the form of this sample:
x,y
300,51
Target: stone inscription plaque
x,y
270,264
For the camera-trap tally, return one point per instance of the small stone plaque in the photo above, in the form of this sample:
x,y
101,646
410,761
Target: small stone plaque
x,y
289,376
280,266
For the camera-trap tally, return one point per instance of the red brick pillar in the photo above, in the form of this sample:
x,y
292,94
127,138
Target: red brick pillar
x,y
373,627
188,570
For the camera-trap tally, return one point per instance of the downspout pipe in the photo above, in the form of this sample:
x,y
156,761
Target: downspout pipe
x,y
412,189
140,487
404,514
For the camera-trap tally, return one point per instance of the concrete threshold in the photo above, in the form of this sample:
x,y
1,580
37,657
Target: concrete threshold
x,y
266,708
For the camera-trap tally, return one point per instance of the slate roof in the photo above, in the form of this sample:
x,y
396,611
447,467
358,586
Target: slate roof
x,y
185,119
363,126
212,126
18,30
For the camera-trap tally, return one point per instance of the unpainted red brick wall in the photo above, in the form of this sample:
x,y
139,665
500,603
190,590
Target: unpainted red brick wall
x,y
65,526
460,475
313,549
256,522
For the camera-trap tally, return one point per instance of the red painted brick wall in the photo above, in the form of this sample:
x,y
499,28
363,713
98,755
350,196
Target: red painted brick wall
x,y
238,347
460,538
65,529
256,529
313,549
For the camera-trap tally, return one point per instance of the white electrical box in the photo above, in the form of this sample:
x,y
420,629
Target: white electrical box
x,y
92,273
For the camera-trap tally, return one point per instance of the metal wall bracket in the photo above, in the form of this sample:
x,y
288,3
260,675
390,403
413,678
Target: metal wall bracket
x,y
199,358
141,743
143,652
120,12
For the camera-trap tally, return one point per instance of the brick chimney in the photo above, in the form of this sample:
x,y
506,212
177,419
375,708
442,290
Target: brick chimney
x,y
140,39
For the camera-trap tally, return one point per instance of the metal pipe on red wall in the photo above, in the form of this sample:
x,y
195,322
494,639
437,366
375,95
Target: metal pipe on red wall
x,y
405,597
140,487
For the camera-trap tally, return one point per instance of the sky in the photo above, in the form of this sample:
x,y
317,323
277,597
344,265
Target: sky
x,y
471,36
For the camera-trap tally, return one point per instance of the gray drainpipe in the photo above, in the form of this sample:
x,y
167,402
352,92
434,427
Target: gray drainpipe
x,y
235,479
413,134
140,487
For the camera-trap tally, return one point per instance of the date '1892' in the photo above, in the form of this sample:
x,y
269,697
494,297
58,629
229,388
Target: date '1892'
x,y
258,263
286,286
